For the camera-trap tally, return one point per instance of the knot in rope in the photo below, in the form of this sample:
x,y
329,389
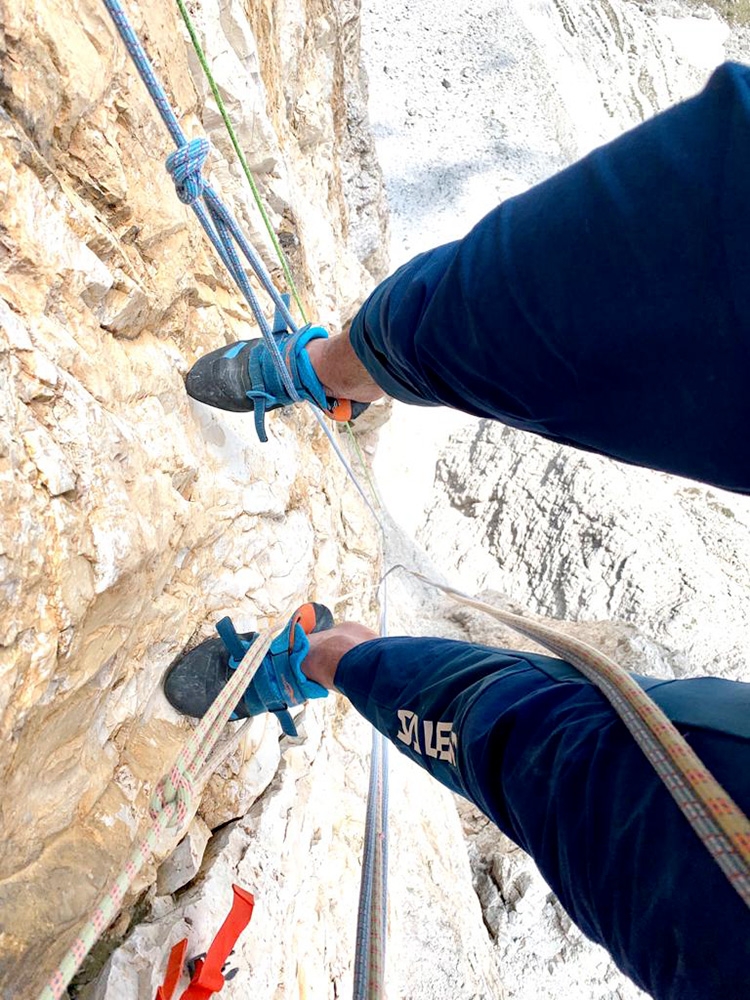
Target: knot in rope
x,y
174,789
185,165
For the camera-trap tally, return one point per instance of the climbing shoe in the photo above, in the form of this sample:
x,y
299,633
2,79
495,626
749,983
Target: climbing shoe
x,y
194,681
244,376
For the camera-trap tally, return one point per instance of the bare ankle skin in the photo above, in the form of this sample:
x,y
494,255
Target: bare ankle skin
x,y
342,373
327,648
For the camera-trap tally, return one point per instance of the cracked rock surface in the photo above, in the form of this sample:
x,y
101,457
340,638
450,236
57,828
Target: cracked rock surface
x,y
132,518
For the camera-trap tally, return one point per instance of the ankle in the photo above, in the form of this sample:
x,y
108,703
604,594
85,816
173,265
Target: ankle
x,y
327,649
340,371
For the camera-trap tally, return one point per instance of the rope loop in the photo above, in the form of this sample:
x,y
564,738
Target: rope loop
x,y
174,789
258,395
185,165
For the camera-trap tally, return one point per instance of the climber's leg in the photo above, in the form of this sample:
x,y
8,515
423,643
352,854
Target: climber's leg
x,y
538,749
608,307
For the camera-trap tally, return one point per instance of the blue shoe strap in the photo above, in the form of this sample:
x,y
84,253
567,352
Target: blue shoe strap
x,y
258,394
286,722
278,681
266,688
236,647
268,387
306,688
283,683
301,366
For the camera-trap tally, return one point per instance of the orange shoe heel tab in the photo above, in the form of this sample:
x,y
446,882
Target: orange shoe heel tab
x,y
341,411
307,618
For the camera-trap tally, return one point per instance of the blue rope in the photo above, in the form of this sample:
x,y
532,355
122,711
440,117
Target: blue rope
x,y
185,166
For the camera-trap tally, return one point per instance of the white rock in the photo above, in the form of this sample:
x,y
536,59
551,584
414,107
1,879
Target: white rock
x,y
131,520
14,330
245,775
183,863
54,470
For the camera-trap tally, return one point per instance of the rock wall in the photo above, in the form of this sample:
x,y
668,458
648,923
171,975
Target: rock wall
x,y
579,537
133,519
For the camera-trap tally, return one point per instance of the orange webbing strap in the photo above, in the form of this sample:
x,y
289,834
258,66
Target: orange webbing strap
x,y
208,977
174,971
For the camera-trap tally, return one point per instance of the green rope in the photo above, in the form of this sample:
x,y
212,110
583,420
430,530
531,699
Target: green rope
x,y
240,155
256,195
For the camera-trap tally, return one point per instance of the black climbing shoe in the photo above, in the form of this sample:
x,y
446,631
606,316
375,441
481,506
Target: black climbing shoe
x,y
194,681
244,377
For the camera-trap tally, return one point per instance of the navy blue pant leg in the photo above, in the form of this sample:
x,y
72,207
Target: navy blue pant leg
x,y
608,307
538,749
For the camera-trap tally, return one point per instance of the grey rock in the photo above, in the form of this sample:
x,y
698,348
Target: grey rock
x,y
184,862
132,519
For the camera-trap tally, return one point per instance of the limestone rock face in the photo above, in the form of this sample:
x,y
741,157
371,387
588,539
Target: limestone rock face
x,y
132,518
184,863
577,536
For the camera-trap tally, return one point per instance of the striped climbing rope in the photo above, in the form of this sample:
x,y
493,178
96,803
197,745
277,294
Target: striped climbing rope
x,y
171,806
718,821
